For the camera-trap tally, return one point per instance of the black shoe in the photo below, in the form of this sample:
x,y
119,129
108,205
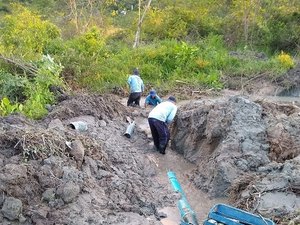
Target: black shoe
x,y
162,151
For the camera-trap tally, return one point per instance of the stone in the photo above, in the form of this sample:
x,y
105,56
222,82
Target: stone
x,y
12,208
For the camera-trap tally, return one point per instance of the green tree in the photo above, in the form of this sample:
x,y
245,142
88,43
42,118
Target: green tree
x,y
25,34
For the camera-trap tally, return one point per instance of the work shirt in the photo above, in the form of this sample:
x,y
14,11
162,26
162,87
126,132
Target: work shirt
x,y
152,101
164,112
136,84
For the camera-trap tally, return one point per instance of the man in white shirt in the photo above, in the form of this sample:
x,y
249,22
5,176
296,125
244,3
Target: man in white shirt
x,y
158,119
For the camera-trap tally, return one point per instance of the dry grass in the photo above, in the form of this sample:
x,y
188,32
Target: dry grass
x,y
244,183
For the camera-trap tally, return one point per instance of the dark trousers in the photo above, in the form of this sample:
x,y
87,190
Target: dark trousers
x,y
134,99
160,134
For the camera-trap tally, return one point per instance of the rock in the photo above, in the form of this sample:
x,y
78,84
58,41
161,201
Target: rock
x,y
70,192
77,151
49,107
278,203
13,173
22,219
102,123
49,195
56,124
12,208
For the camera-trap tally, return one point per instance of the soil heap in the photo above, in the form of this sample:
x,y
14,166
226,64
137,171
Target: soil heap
x,y
249,151
54,174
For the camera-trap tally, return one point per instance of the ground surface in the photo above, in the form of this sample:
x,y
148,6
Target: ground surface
x,y
240,148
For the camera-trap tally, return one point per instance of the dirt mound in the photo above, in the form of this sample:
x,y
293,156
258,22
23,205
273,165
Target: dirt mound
x,y
283,129
291,79
54,174
100,106
231,133
244,148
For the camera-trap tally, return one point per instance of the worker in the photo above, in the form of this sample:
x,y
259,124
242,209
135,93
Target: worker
x,y
159,118
152,99
136,86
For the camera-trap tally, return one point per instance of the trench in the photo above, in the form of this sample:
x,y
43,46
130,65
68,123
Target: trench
x,y
198,200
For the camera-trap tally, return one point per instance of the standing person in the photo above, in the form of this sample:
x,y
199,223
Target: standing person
x,y
136,86
152,99
158,119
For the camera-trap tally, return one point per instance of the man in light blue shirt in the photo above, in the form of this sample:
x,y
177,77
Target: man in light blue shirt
x,y
152,99
158,119
136,86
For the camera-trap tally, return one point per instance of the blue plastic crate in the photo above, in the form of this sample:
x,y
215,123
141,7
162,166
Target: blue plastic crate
x,y
229,215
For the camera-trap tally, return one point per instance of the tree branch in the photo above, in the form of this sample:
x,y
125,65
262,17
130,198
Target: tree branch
x,y
31,69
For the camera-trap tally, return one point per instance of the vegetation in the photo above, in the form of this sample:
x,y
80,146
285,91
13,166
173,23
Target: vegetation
x,y
198,43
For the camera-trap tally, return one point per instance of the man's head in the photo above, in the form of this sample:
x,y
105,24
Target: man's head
x,y
172,99
152,93
136,72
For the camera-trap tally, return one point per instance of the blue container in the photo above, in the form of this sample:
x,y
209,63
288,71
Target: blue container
x,y
228,215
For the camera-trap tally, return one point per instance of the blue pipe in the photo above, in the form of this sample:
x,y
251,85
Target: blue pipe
x,y
187,215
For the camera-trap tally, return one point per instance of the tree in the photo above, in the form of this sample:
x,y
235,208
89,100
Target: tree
x,y
140,21
82,12
25,34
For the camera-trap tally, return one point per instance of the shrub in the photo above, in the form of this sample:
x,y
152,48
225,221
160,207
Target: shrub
x,y
285,60
25,34
37,91
12,86
6,107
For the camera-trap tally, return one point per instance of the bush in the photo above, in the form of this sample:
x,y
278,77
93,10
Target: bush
x,y
174,23
37,91
285,60
283,32
25,34
12,86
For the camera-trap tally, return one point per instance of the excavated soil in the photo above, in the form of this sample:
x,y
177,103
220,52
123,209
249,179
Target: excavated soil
x,y
241,149
100,177
245,150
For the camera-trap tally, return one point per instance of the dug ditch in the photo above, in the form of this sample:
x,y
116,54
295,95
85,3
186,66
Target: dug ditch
x,y
199,200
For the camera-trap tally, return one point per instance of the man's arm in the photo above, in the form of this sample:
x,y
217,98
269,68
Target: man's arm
x,y
171,115
158,99
129,80
142,85
146,101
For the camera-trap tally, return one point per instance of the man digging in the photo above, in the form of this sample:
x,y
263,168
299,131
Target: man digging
x,y
159,118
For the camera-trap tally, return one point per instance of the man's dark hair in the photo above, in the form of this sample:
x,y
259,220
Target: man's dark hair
x,y
136,72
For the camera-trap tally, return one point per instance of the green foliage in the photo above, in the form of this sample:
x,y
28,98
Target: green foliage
x,y
247,64
37,91
25,34
174,22
6,107
11,86
90,43
170,51
30,94
283,32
